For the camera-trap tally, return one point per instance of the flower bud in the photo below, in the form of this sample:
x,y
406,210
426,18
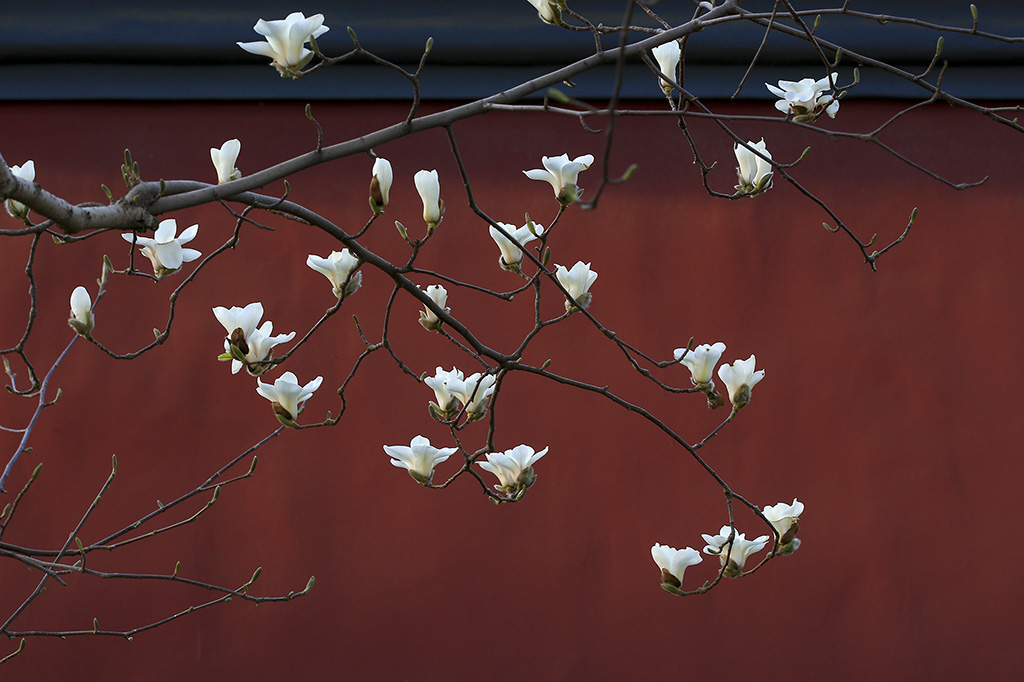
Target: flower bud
x,y
380,185
715,399
81,320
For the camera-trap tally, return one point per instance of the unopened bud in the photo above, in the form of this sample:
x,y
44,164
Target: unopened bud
x,y
741,397
237,340
714,399
376,196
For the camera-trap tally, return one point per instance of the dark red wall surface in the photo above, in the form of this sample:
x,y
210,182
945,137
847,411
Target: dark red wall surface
x,y
890,407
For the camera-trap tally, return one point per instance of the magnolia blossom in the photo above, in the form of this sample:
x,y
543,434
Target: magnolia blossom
x,y
514,468
380,185
673,563
26,172
165,250
428,320
735,558
668,55
739,378
549,11
473,392
577,282
701,362
805,99
785,518
338,268
429,188
287,395
260,343
419,457
447,402
81,319
240,323
562,174
511,254
285,40
754,173
224,161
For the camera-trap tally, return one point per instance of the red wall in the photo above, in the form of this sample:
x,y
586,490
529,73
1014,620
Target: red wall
x,y
889,408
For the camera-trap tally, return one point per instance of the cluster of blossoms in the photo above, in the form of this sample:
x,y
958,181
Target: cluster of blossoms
x,y
513,468
455,392
252,347
805,101
739,377
730,546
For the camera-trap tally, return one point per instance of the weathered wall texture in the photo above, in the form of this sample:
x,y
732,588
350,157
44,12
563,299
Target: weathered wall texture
x,y
890,408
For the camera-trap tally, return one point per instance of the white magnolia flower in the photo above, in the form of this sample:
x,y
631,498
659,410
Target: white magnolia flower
x,y
668,55
473,392
785,518
447,403
26,172
224,161
429,188
240,323
286,39
549,11
673,563
287,395
701,362
739,378
260,343
754,173
577,282
81,319
562,174
511,253
735,558
338,268
805,99
419,457
514,468
165,250
439,295
380,185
